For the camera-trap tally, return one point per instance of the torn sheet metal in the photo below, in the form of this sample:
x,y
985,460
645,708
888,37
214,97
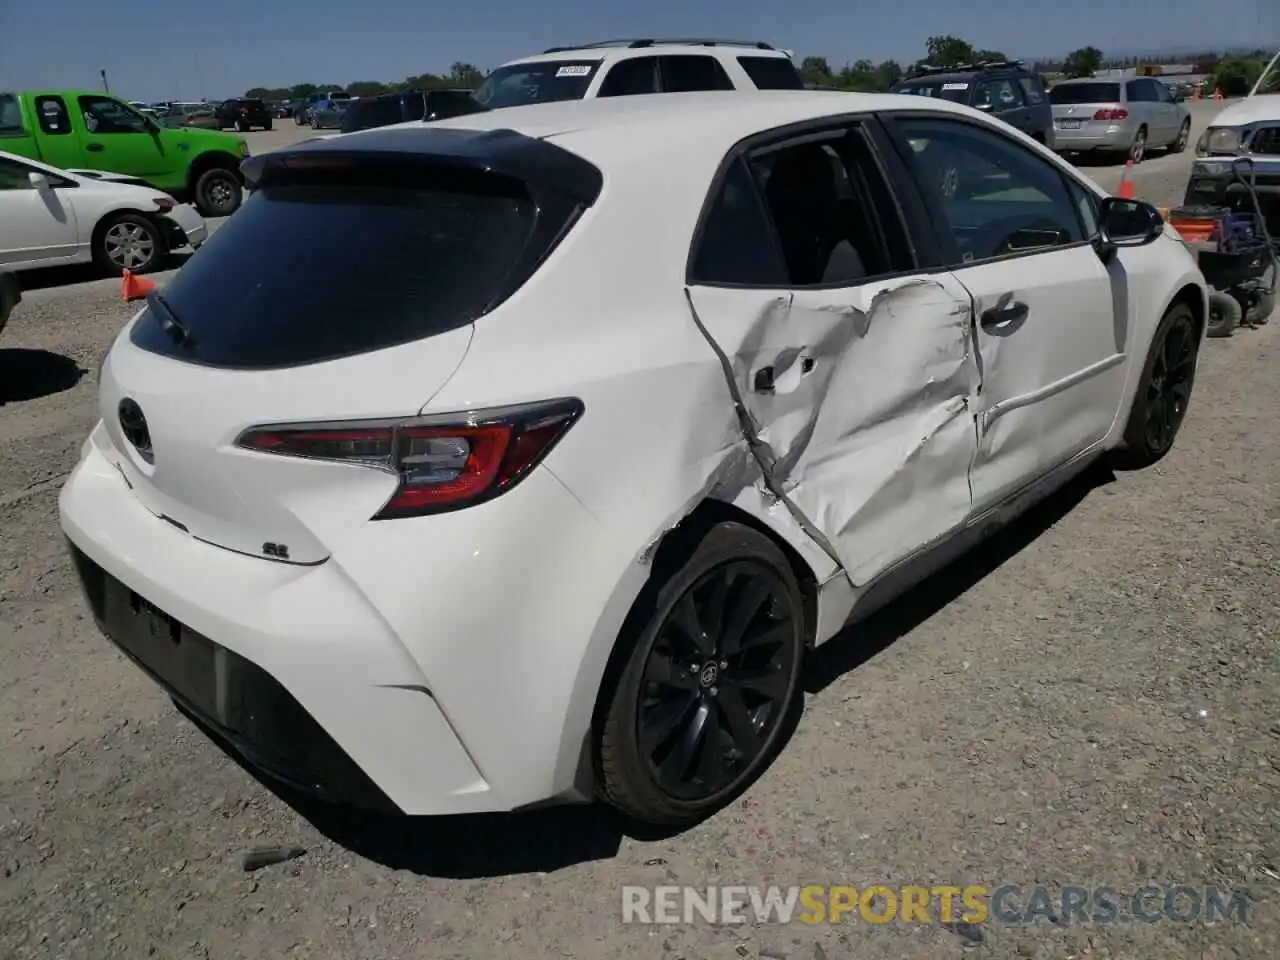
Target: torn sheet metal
x,y
857,404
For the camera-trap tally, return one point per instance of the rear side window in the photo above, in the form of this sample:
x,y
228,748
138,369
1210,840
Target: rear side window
x,y
1085,93
631,77
772,73
51,112
1032,89
689,72
10,116
737,246
281,284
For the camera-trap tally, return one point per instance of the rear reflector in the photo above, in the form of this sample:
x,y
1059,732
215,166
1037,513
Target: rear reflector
x,y
443,463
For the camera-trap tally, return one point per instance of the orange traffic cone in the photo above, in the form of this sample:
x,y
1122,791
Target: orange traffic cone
x,y
1196,93
134,287
1126,185
1217,93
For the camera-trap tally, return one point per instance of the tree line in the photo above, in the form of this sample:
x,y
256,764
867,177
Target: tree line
x,y
1235,75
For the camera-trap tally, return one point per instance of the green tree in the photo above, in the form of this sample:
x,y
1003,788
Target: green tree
x,y
1084,62
300,90
367,88
1236,76
466,75
948,51
817,71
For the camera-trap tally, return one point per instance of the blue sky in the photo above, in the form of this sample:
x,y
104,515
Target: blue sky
x,y
179,49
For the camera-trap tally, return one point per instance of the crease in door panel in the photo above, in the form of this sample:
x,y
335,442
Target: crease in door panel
x,y
760,450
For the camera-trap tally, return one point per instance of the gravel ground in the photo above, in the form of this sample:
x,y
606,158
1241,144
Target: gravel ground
x,y
1092,699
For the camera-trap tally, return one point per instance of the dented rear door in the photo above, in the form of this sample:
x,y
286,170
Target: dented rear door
x,y
856,401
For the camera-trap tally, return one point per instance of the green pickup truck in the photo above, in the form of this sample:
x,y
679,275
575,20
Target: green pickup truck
x,y
83,130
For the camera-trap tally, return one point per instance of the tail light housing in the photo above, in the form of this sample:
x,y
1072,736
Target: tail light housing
x,y
1111,113
443,463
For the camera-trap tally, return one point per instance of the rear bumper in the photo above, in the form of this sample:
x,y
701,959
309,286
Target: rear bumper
x,y
453,670
1116,137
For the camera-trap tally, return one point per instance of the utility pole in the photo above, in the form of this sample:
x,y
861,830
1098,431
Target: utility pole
x,y
104,81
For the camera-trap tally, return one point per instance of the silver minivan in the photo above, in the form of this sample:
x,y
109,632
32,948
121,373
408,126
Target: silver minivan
x,y
1126,116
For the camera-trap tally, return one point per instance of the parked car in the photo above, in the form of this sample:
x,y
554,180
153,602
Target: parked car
x,y
832,370
10,296
1122,117
243,113
302,115
196,116
74,130
1004,89
365,113
55,217
1242,142
617,68
328,114
286,109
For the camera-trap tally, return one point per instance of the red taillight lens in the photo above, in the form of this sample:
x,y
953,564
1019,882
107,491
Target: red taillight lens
x,y
442,463
1111,115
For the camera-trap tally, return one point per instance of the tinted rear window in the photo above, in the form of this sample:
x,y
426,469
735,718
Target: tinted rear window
x,y
772,73
315,271
955,90
524,83
1085,93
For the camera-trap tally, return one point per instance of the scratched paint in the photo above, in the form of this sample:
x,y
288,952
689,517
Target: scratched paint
x,y
856,404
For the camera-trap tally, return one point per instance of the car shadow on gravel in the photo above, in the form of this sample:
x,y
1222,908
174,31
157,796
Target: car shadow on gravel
x,y
31,374
860,642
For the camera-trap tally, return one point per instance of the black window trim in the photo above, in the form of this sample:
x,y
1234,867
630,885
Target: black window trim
x,y
66,113
912,217
943,236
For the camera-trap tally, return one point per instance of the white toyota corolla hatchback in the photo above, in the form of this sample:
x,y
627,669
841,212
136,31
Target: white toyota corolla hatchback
x,y
523,456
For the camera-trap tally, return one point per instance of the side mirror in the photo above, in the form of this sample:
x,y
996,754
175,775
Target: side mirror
x,y
1126,223
39,180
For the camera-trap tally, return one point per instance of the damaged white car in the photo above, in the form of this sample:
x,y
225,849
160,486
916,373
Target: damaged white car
x,y
616,410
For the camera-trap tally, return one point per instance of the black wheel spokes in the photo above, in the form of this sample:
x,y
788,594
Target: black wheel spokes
x,y
715,678
1170,388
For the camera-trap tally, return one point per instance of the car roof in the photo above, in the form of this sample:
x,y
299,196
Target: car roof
x,y
600,54
621,131
1075,81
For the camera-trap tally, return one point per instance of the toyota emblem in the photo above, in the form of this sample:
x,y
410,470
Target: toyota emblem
x,y
134,427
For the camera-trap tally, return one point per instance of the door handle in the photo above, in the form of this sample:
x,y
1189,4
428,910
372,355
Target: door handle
x,y
94,147
765,379
1015,312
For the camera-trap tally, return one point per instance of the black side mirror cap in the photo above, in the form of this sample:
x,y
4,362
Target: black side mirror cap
x,y
1124,222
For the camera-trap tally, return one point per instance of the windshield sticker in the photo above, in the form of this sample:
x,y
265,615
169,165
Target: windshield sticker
x,y
955,86
574,70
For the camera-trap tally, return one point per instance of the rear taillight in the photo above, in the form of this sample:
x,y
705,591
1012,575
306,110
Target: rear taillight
x,y
443,463
1110,114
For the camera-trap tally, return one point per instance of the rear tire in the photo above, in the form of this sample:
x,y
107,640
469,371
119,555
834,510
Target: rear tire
x,y
692,720
1184,135
1225,314
128,241
1138,149
267,125
1164,390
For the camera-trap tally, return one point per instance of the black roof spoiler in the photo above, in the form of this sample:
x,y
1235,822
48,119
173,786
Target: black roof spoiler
x,y
501,152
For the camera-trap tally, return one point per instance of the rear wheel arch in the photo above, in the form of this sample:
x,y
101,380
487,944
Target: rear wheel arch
x,y
673,549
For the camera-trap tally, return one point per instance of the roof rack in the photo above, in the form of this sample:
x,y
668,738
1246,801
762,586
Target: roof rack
x,y
921,69
649,42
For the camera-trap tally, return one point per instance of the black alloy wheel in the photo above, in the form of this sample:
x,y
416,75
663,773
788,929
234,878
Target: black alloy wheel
x,y
705,693
1164,392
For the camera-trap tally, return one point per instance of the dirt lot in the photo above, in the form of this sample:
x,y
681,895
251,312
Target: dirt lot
x,y
1092,699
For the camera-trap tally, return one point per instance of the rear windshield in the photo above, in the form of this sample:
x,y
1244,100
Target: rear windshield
x,y
772,73
525,83
264,291
957,91
1085,93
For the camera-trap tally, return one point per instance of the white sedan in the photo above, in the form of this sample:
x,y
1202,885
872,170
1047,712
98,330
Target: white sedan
x,y
612,412
51,217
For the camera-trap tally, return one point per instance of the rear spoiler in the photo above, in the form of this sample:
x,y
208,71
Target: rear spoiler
x,y
502,152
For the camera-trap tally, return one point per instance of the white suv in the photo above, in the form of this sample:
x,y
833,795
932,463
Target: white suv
x,y
617,68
